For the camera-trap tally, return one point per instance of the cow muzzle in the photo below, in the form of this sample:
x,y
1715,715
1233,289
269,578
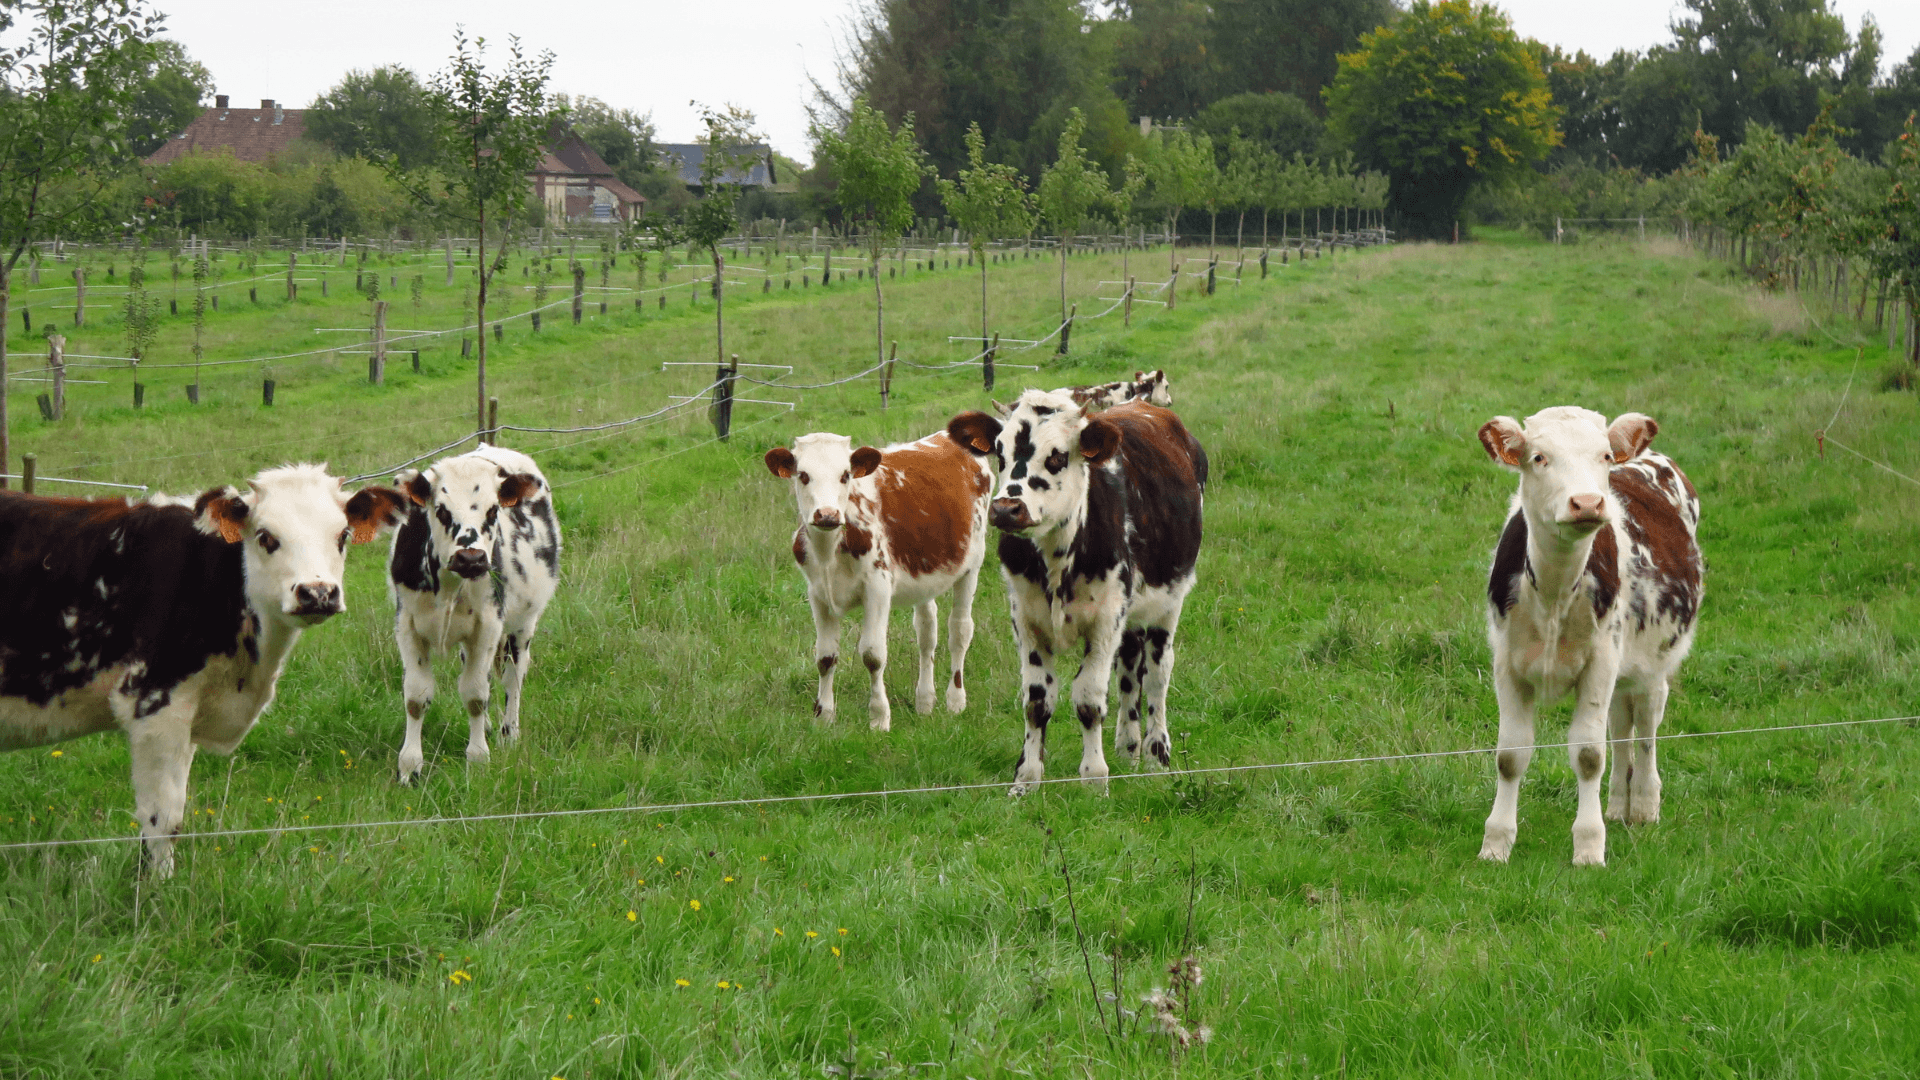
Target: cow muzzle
x,y
316,602
1010,515
825,519
469,563
1585,512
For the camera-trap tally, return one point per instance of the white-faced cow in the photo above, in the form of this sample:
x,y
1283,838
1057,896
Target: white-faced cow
x,y
1594,589
1100,521
169,621
1151,387
881,529
472,569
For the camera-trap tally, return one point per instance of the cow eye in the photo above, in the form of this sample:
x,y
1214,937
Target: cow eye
x,y
267,541
1539,459
804,478
846,476
344,533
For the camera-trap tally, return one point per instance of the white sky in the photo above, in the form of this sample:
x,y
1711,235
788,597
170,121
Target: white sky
x,y
657,55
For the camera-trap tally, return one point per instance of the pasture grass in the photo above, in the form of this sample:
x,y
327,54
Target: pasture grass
x,y
1768,926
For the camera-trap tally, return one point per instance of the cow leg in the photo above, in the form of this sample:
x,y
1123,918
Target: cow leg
x,y
1587,752
1042,691
1620,718
161,745
1516,753
826,653
1156,667
1129,663
926,636
1090,706
1644,802
511,664
416,661
960,638
474,693
873,651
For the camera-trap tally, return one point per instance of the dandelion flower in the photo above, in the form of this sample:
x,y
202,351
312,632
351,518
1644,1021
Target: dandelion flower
x,y
681,982
660,859
59,753
836,949
314,850
633,916
763,858
694,904
596,1001
812,933
97,957
843,931
722,984
777,932
727,881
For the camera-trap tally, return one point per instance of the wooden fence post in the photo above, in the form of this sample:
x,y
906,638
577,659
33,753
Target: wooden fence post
x,y
293,290
493,421
29,466
986,362
377,361
579,287
266,390
57,362
720,412
1126,313
886,375
1263,264
449,260
1212,263
1066,328
79,296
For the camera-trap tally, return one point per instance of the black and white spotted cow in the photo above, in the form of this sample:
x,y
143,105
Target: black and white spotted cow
x,y
472,569
169,620
1100,520
1151,387
1594,590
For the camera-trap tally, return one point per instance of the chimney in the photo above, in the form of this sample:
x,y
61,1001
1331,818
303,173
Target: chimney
x,y
219,101
266,103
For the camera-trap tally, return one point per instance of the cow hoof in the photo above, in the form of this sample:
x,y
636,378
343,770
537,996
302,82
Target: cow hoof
x,y
478,755
410,766
509,733
883,722
1637,816
1590,858
956,700
1018,790
1497,845
923,703
825,713
1616,811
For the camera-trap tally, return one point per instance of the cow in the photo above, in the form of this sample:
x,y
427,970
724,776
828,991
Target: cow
x,y
472,569
169,620
1151,387
1100,527
881,529
1595,586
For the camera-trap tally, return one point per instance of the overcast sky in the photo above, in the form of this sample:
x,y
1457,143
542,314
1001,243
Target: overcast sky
x,y
658,55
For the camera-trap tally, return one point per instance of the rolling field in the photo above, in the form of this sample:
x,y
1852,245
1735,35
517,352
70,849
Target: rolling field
x,y
1769,926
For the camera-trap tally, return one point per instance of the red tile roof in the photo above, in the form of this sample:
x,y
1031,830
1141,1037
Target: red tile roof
x,y
250,134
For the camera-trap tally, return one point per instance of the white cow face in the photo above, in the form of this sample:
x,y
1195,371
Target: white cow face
x,y
1563,456
295,523
1042,448
823,468
463,497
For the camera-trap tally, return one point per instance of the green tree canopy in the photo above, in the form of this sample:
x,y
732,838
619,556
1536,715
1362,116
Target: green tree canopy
x,y
624,139
385,112
1444,98
879,172
1277,121
167,91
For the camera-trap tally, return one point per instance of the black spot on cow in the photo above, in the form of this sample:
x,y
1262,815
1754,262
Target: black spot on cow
x,y
1023,450
413,564
1056,461
1036,483
1090,715
1509,560
1036,692
1033,657
825,664
1603,571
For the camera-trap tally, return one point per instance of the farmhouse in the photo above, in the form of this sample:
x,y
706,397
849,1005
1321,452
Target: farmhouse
x,y
258,135
575,184
685,160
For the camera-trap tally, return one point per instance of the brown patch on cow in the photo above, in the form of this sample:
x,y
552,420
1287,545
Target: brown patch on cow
x,y
957,683
223,512
1629,434
1590,761
800,548
1653,522
780,462
1509,763
825,664
865,460
1098,441
1503,437
927,496
372,509
1603,566
976,430
517,487
855,541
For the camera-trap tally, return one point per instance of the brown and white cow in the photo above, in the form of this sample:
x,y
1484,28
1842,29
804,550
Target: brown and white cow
x,y
881,529
168,621
1151,387
1594,590
1100,522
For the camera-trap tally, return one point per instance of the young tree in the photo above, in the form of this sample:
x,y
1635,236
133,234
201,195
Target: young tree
x,y
989,202
1443,98
68,78
711,220
1896,252
1070,188
489,126
879,172
1177,166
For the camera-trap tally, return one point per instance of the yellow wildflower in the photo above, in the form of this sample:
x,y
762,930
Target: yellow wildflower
x,y
596,1001
633,916
694,904
59,753
681,982
727,881
660,860
836,949
97,957
777,932
722,984
812,933
843,931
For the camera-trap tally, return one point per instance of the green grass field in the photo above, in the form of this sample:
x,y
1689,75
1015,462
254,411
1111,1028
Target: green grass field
x,y
1768,926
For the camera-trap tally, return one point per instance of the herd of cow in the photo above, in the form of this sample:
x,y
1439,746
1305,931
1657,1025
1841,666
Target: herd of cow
x,y
172,620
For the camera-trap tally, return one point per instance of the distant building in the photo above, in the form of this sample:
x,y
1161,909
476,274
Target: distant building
x,y
685,159
576,184
258,135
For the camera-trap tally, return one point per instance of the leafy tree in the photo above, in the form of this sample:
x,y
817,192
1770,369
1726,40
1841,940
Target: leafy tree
x,y
712,219
1280,122
624,139
383,113
167,92
1070,188
1896,251
879,173
988,202
1444,98
1243,180
68,76
487,135
1178,165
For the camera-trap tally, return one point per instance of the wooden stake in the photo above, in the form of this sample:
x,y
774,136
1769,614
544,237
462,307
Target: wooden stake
x,y
986,362
886,375
493,421
377,363
57,362
29,466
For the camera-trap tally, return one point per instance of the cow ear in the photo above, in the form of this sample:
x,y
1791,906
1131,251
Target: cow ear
x,y
865,460
222,512
780,462
518,486
975,431
373,510
416,485
1631,433
1099,440
1504,440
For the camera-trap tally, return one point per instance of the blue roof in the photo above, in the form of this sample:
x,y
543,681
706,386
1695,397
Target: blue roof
x,y
687,158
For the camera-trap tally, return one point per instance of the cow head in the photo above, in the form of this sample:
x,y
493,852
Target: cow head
x,y
1042,448
1563,456
822,467
1153,388
295,523
462,498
